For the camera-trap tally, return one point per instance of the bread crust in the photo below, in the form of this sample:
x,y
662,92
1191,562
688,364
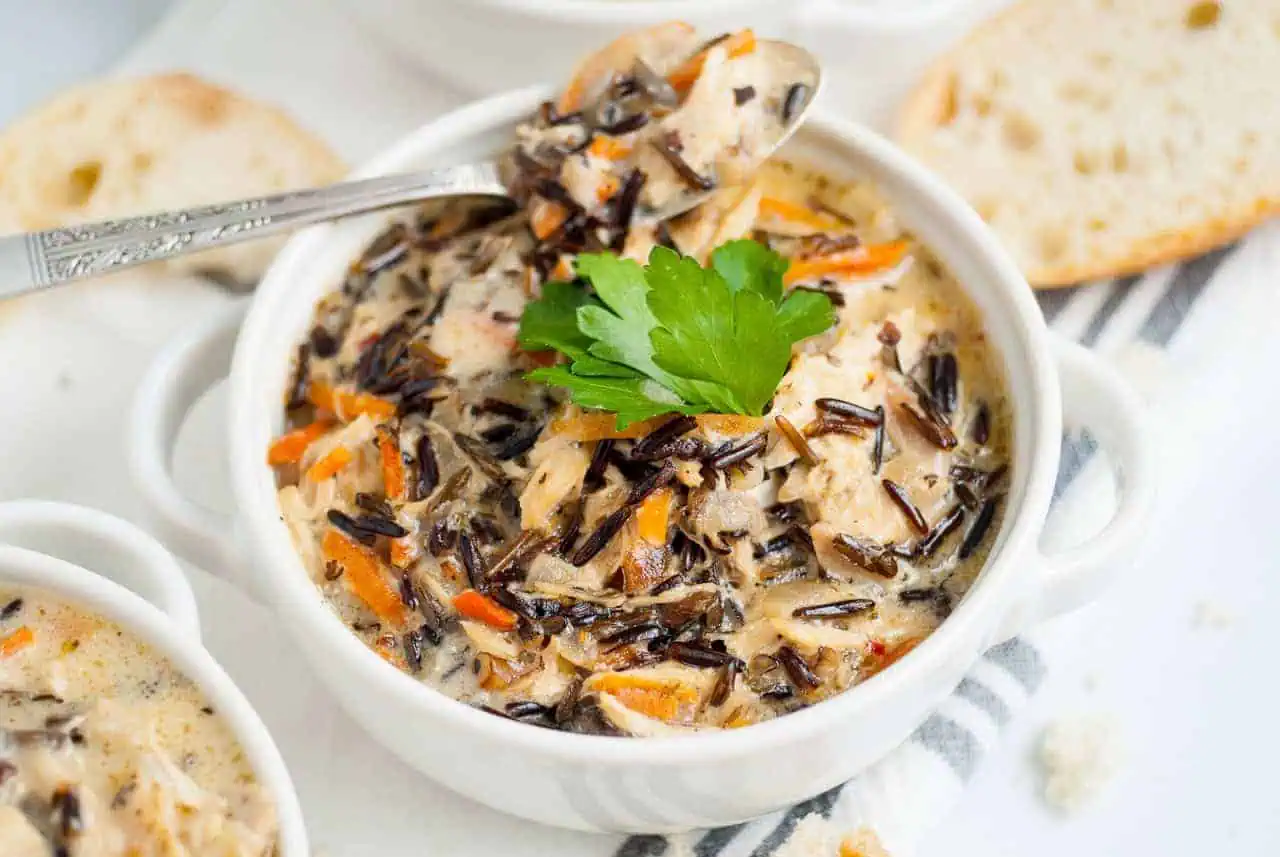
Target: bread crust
x,y
117,148
929,104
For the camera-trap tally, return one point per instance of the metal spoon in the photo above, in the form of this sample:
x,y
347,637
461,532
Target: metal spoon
x,y
37,260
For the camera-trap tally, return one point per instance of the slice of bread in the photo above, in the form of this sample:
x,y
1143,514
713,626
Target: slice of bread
x,y
1100,137
125,147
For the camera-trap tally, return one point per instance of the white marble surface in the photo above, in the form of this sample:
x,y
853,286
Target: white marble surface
x,y
1196,704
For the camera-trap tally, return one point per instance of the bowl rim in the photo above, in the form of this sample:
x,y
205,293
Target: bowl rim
x,y
621,12
293,593
874,17
32,571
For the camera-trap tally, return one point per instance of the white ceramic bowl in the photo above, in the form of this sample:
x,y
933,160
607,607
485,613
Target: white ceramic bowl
x,y
867,46
656,784
112,569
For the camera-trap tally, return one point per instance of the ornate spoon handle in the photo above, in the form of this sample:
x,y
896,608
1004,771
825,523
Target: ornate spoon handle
x,y
38,260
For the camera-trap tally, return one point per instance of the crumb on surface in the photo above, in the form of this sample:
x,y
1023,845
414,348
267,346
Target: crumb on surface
x,y
1078,756
816,836
1212,615
863,842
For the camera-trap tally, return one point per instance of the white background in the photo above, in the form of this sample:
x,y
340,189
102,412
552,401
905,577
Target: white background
x,y
1196,708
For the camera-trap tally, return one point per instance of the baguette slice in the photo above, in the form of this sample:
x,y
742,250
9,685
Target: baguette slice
x,y
119,148
1101,137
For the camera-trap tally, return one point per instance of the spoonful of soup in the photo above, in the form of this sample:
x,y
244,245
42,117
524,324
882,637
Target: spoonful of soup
x,y
647,128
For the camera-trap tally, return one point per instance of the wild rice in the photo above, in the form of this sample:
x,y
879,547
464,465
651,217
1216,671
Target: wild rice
x,y
835,610
801,675
670,147
797,95
901,499
930,543
850,412
943,381
658,443
978,529
796,440
607,529
735,452
932,430
866,554
980,429
697,655
877,447
472,561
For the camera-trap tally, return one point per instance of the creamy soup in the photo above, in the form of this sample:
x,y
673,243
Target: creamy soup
x,y
523,555
107,751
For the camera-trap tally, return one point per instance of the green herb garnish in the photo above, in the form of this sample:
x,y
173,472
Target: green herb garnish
x,y
673,336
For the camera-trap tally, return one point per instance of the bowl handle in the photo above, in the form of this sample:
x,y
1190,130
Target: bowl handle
x,y
184,371
1094,395
107,546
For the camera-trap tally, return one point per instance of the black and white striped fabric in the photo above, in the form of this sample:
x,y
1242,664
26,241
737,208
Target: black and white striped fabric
x,y
1139,313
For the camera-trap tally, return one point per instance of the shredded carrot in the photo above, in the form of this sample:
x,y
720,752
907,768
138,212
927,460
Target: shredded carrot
x,y
609,148
402,552
329,464
362,574
17,641
607,188
793,212
729,423
863,260
289,447
451,571
348,406
683,78
392,465
484,609
323,396
388,654
563,270
880,657
652,517
739,718
662,700
598,425
543,358
545,217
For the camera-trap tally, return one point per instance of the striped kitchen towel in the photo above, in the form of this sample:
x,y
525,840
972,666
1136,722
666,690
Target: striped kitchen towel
x,y
1165,328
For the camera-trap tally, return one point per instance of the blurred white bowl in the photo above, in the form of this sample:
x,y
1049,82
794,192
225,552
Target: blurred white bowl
x,y
869,47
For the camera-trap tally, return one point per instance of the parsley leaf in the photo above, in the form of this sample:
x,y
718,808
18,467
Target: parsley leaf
x,y
729,339
625,334
804,314
632,399
749,266
620,336
552,323
674,337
